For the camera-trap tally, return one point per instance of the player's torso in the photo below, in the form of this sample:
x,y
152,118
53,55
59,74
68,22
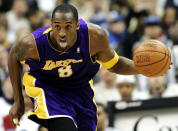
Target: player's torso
x,y
71,69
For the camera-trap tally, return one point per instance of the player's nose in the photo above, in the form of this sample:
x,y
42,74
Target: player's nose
x,y
62,34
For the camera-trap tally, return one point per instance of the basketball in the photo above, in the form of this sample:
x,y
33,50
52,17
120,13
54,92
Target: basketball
x,y
152,58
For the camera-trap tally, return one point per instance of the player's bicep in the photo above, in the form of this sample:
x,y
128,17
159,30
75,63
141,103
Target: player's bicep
x,y
100,47
105,55
108,58
24,49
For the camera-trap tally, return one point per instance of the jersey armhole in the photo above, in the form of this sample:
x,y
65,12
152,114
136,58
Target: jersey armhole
x,y
92,58
36,47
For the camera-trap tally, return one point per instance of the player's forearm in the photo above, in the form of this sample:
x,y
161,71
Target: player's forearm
x,y
15,71
124,66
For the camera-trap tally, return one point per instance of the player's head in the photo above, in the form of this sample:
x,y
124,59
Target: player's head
x,y
65,25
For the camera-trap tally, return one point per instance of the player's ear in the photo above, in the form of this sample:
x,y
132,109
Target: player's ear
x,y
78,25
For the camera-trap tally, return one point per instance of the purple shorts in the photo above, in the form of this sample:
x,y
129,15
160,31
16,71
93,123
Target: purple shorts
x,y
76,104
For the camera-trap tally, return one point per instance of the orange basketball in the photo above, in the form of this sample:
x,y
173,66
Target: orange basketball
x,y
152,58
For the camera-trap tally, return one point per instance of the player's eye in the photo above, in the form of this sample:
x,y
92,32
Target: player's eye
x,y
68,26
57,27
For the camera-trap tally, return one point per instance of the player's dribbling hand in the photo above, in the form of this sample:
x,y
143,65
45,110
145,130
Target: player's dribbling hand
x,y
16,112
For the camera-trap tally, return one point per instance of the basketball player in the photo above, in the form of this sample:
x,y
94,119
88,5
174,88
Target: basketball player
x,y
63,58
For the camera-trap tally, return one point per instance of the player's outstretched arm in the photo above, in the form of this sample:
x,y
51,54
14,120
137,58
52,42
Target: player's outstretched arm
x,y
24,49
106,55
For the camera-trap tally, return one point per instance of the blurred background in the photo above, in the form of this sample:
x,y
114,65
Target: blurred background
x,y
128,23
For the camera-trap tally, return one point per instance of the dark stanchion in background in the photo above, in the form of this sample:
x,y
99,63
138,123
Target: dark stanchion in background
x,y
115,107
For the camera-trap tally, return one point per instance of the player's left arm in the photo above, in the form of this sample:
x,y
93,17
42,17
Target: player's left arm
x,y
100,48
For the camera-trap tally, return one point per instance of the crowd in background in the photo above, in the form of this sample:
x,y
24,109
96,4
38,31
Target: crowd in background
x,y
127,22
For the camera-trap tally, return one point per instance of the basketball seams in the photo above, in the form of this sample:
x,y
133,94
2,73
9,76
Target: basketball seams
x,y
149,51
164,64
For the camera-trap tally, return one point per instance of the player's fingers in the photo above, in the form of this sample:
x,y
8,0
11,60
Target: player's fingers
x,y
15,121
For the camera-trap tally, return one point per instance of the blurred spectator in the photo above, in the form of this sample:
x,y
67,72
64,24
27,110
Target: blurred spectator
x,y
7,90
173,33
36,19
117,32
3,64
5,5
99,15
125,8
152,23
16,18
46,21
3,37
6,102
169,19
102,124
135,31
3,20
175,52
84,8
171,3
149,5
127,89
44,18
32,4
159,88
106,90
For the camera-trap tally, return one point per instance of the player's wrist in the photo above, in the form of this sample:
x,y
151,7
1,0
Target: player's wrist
x,y
19,100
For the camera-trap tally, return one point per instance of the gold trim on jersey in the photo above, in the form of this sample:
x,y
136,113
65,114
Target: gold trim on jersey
x,y
92,87
36,47
22,62
40,108
89,44
47,30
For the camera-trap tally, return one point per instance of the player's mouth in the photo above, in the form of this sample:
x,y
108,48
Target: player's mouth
x,y
63,43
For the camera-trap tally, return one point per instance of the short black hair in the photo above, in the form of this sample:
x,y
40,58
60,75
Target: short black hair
x,y
66,8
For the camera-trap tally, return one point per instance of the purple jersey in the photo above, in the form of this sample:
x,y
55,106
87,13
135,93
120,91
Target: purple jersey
x,y
59,84
71,69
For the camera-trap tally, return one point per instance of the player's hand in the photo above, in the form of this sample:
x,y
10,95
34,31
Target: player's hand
x,y
170,65
16,112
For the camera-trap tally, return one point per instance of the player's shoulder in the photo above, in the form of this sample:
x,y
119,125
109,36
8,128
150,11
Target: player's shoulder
x,y
98,38
96,30
27,41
